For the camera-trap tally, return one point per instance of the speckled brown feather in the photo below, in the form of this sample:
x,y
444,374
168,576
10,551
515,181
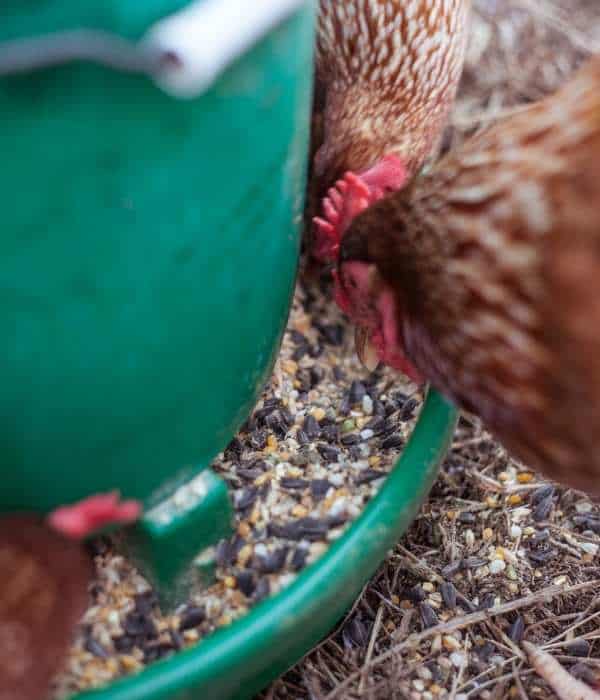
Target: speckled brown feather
x,y
495,260
43,594
389,69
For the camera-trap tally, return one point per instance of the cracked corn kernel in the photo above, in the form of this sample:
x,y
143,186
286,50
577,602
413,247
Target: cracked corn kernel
x,y
272,443
289,366
255,515
262,479
130,663
450,643
245,554
244,529
488,534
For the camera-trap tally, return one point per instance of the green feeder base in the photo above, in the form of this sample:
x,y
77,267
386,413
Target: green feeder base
x,y
236,662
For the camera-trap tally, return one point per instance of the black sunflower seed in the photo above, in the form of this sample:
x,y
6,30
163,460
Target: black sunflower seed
x,y
299,558
292,484
366,476
350,439
487,601
338,374
543,508
517,629
355,633
452,568
473,562
542,493
233,451
448,591
578,647
428,615
357,392
302,438
246,583
584,673
392,442
329,453
258,439
330,433
263,588
344,407
415,594
192,617
247,498
274,561
124,644
408,409
94,647
311,427
319,488
542,556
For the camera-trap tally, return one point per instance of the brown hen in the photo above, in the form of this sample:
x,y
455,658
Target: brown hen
x,y
386,77
484,278
43,595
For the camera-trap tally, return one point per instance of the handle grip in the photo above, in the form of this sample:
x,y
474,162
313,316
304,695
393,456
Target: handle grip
x,y
205,38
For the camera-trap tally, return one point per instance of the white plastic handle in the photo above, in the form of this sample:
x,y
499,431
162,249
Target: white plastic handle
x,y
203,39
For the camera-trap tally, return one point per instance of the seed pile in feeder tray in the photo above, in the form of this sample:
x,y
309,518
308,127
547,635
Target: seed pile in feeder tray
x,y
316,449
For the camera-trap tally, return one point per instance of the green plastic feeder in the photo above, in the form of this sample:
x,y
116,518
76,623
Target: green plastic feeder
x,y
154,157
149,249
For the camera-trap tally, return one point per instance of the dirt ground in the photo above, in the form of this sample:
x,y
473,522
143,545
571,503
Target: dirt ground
x,y
492,534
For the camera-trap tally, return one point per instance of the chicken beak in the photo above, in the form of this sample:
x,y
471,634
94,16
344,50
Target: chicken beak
x,y
367,354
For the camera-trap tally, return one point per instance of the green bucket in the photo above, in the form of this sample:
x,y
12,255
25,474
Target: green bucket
x,y
149,252
150,242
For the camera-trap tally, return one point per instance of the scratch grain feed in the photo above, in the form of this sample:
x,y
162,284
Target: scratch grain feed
x,y
315,450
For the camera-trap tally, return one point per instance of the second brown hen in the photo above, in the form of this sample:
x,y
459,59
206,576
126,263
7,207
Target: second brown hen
x,y
483,277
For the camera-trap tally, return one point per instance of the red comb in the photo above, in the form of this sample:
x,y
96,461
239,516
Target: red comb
x,y
345,200
81,519
349,197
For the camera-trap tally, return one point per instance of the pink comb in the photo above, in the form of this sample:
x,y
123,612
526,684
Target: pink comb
x,y
345,200
81,519
350,196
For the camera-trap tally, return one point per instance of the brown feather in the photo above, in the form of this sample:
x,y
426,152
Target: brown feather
x,y
390,69
43,594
